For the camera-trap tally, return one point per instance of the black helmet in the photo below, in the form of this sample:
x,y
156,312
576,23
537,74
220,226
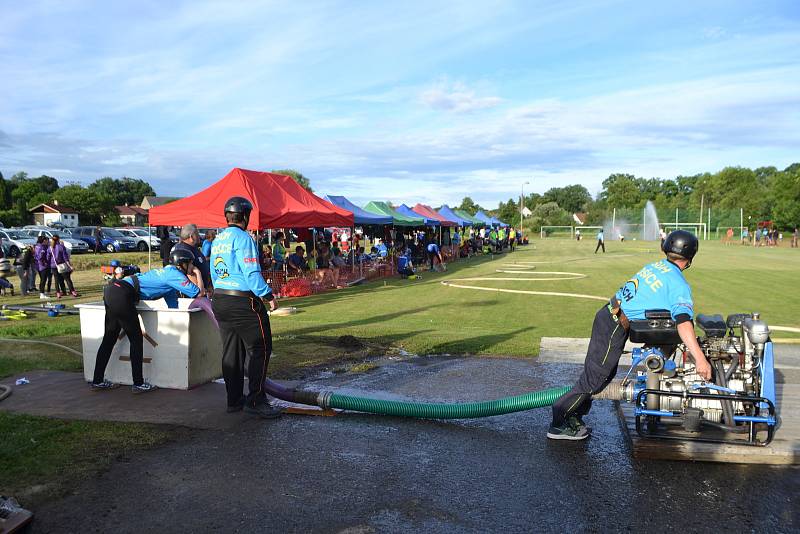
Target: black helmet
x,y
238,205
180,255
682,243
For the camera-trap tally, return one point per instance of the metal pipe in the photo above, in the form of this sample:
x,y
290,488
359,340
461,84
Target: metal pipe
x,y
653,382
727,406
732,369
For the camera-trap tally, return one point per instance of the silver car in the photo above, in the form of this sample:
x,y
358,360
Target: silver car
x,y
74,246
141,236
14,241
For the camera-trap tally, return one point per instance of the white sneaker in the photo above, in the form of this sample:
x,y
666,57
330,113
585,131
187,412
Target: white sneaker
x,y
42,296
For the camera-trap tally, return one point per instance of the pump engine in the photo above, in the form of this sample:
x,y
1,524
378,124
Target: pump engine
x,y
673,402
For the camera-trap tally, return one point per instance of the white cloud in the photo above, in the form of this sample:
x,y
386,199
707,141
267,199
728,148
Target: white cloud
x,y
457,98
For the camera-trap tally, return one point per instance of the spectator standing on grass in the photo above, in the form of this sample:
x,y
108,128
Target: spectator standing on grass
x,y
601,242
745,236
206,249
794,238
98,239
41,256
729,236
279,251
61,267
22,264
162,233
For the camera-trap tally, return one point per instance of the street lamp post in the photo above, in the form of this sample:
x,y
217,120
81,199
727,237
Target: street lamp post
x,y
521,197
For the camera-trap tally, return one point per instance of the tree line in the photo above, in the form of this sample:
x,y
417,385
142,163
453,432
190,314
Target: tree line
x,y
762,194
94,202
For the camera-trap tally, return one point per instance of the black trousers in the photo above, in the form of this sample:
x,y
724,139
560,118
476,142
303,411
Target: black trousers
x,y
599,245
605,347
166,246
120,300
245,332
45,276
60,278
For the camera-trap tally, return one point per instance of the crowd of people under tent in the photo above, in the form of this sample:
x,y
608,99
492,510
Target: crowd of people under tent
x,y
330,257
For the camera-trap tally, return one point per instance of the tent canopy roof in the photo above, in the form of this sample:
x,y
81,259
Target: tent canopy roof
x,y
383,208
408,212
360,216
278,202
427,211
463,214
450,214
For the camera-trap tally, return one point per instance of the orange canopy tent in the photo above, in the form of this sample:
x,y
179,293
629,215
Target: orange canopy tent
x,y
429,212
278,202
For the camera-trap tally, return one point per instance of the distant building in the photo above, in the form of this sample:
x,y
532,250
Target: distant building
x,y
132,215
579,218
152,202
54,214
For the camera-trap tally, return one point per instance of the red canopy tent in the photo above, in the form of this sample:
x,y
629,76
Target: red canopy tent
x,y
278,202
429,212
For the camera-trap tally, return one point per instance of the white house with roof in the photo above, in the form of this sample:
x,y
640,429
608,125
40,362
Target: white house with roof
x,y
53,213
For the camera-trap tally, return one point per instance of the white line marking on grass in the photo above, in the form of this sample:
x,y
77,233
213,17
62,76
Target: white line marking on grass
x,y
523,292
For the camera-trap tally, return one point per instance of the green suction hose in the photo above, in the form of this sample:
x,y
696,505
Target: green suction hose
x,y
468,410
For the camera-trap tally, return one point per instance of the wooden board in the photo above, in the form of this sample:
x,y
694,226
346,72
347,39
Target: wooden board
x,y
784,449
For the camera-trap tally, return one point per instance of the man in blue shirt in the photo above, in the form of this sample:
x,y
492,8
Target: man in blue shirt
x,y
659,285
434,254
601,242
296,263
206,248
120,297
241,297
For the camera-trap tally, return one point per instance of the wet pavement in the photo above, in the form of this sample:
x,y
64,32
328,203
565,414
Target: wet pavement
x,y
366,473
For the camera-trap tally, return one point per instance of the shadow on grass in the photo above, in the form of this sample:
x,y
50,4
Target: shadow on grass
x,y
476,344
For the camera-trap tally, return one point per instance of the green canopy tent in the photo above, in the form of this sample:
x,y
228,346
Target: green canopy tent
x,y
464,215
383,208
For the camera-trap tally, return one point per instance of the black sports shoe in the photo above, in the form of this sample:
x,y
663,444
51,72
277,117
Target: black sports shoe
x,y
577,421
105,385
236,407
567,431
144,387
263,409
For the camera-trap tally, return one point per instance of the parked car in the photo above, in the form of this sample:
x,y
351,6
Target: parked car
x,y
112,240
14,241
141,236
74,246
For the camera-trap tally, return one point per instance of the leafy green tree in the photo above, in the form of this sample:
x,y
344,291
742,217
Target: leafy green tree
x,y
468,205
572,198
786,199
90,206
5,193
304,182
123,191
621,191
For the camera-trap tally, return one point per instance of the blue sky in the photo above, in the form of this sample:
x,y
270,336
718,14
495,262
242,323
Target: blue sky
x,y
402,101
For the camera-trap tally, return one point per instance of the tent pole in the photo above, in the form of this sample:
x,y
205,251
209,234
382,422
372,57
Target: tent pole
x,y
149,248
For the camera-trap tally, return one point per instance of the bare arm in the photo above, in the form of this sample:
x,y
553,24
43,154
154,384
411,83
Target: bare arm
x,y
686,331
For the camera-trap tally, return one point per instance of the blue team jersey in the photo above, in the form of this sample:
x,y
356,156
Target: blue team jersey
x,y
234,263
457,238
658,286
402,262
199,260
382,250
206,248
166,283
433,248
600,238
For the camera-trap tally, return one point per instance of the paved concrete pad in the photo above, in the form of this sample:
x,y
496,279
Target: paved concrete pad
x,y
366,473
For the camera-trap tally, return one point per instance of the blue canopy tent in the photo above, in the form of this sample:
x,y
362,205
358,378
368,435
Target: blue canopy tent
x,y
485,218
360,216
498,222
405,210
448,214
